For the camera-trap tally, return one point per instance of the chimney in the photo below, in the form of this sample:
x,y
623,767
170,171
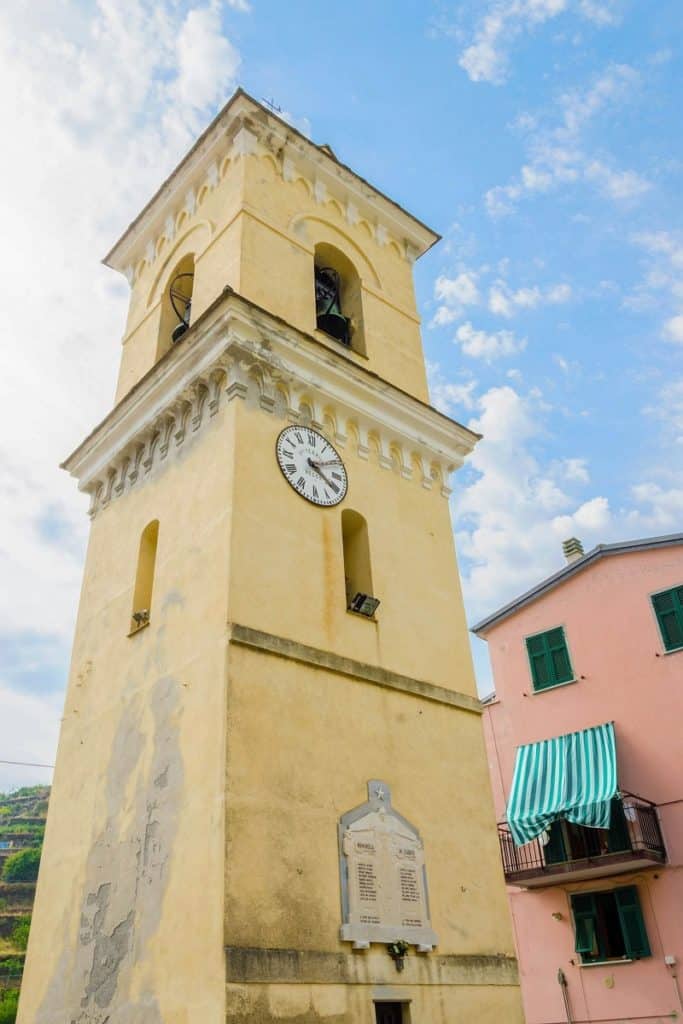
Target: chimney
x,y
573,549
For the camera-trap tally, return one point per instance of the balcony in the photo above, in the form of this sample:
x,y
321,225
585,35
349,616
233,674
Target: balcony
x,y
573,853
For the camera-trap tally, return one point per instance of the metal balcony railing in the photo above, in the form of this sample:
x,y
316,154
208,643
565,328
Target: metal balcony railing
x,y
633,840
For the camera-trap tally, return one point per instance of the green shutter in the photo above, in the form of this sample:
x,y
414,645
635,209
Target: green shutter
x,y
554,849
549,658
537,660
632,924
585,922
669,610
559,654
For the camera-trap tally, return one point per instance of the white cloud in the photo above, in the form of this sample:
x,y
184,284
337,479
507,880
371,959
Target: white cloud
x,y
668,408
673,329
486,59
455,293
488,345
507,508
505,301
664,274
660,509
29,728
559,293
449,396
576,470
556,153
617,185
207,60
590,517
602,12
111,97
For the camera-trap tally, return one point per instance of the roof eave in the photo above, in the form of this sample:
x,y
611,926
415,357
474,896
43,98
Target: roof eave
x,y
567,571
118,257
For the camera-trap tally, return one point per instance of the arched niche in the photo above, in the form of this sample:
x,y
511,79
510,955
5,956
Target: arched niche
x,y
176,308
356,548
192,242
334,270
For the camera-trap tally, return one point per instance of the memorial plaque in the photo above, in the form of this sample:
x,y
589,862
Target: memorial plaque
x,y
383,875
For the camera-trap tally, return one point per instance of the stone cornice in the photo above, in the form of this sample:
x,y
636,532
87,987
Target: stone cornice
x,y
245,127
238,350
282,647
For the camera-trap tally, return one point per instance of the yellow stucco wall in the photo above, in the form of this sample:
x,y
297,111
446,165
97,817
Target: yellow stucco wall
x,y
136,836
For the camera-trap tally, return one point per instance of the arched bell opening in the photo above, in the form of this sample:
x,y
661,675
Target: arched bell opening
x,y
338,298
176,305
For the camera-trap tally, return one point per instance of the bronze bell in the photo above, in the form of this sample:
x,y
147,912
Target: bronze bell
x,y
329,316
181,303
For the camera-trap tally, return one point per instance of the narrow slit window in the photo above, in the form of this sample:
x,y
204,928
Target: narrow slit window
x,y
357,571
144,577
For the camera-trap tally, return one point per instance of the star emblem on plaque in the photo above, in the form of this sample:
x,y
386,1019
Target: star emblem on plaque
x,y
383,875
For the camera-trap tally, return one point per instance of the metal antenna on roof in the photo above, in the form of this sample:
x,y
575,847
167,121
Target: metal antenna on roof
x,y
272,105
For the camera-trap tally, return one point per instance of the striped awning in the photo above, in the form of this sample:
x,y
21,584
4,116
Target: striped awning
x,y
572,776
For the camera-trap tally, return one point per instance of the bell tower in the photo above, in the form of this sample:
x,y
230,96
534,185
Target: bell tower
x,y
271,800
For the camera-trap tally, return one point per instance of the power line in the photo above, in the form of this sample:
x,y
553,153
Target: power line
x,y
27,764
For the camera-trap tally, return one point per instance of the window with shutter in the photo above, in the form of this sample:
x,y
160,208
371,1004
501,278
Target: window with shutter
x,y
549,658
609,925
668,608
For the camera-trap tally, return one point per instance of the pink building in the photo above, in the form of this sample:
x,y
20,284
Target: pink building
x,y
597,912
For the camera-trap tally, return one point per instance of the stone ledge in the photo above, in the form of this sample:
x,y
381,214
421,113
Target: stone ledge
x,y
245,636
251,965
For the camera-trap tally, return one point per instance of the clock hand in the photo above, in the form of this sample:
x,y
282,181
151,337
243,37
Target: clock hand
x,y
315,466
330,462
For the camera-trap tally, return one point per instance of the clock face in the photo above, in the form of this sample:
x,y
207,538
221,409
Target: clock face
x,y
311,465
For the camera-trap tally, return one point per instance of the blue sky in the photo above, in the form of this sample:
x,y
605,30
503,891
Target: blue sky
x,y
540,137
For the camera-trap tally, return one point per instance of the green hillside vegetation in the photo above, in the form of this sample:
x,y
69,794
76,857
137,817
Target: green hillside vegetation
x,y
22,827
9,1001
22,866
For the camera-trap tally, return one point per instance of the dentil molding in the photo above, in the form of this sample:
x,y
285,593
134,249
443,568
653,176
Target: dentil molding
x,y
237,350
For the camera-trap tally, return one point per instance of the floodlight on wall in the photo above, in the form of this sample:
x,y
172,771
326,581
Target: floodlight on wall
x,y
181,302
364,604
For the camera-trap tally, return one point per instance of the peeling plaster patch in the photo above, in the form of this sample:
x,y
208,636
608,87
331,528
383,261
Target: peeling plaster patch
x,y
126,872
108,953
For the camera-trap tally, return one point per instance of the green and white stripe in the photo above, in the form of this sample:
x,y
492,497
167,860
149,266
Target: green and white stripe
x,y
572,776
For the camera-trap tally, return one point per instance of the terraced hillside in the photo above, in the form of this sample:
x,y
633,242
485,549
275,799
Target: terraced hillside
x,y
22,825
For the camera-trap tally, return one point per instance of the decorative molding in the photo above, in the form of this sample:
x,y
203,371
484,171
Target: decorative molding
x,y
238,350
245,128
316,658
